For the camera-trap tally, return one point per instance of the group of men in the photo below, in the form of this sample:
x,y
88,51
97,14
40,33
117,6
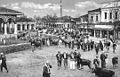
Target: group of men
x,y
69,60
103,58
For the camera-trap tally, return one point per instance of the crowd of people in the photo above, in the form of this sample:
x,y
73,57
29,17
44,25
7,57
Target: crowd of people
x,y
70,38
73,60
78,42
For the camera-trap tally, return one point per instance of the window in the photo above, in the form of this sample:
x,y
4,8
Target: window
x,y
116,15
105,15
27,26
23,27
96,17
18,27
110,15
91,18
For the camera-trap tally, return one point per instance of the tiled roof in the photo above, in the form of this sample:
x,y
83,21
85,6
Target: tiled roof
x,y
95,10
77,19
4,10
24,19
86,15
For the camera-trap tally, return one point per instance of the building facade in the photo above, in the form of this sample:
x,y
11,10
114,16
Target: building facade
x,y
101,21
25,24
11,24
8,25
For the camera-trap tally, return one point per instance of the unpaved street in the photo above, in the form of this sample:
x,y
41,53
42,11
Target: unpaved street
x,y
29,64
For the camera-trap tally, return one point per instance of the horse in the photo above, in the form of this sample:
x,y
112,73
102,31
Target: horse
x,y
85,62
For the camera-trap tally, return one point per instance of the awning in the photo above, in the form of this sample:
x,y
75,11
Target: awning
x,y
59,23
104,27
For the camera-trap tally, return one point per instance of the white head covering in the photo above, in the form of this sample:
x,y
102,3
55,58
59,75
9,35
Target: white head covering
x,y
1,53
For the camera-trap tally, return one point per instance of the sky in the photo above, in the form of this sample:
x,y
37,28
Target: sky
x,y
41,8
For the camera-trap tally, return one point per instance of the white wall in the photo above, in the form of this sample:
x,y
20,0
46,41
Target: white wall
x,y
94,14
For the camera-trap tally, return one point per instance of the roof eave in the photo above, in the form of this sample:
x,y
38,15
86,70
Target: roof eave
x,y
11,13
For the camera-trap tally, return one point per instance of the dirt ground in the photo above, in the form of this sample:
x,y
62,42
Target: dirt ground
x,y
29,64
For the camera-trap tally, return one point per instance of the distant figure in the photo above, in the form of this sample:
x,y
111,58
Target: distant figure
x,y
78,60
96,62
46,69
114,47
72,61
101,45
33,48
59,43
59,59
97,48
3,64
115,61
48,42
108,45
65,58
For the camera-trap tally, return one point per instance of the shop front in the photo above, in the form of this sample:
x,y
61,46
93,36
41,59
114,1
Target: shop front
x,y
103,31
91,30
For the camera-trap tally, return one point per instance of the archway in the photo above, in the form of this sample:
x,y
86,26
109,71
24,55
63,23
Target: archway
x,y
1,26
10,26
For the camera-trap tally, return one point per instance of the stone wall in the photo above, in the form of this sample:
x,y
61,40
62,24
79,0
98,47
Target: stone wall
x,y
14,48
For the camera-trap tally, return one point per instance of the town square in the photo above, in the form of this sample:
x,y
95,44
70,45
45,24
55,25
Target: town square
x,y
59,38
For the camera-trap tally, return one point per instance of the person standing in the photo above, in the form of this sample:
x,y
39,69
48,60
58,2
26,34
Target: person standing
x,y
103,58
96,62
46,69
59,42
3,64
101,45
114,47
59,59
32,44
72,61
97,48
78,60
65,58
72,43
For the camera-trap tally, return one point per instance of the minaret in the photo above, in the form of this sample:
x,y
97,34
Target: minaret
x,y
60,8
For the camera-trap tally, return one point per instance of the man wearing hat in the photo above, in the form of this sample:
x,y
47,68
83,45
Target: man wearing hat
x,y
46,69
59,59
3,64
65,58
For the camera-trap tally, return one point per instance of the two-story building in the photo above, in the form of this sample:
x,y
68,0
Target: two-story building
x,y
82,23
102,20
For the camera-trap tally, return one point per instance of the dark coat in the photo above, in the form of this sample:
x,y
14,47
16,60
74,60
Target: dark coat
x,y
46,71
59,57
103,56
3,58
115,60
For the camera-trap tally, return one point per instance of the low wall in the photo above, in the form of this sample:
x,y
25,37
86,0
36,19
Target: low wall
x,y
14,48
8,36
